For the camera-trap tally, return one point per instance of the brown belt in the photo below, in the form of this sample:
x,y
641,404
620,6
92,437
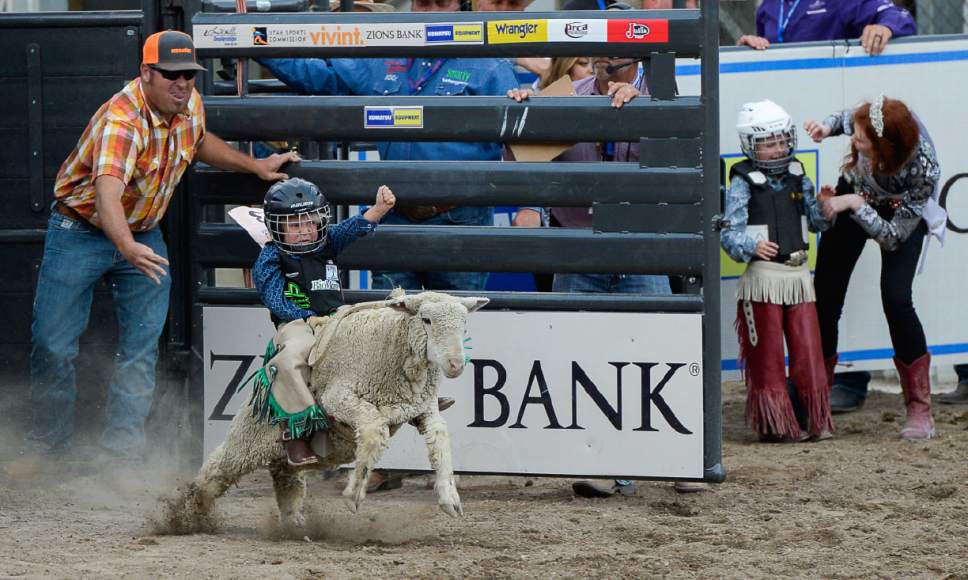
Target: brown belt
x,y
67,211
419,213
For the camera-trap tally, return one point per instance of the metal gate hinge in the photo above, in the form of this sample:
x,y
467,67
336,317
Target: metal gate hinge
x,y
720,223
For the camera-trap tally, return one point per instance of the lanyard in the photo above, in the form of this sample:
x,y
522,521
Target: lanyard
x,y
782,24
415,86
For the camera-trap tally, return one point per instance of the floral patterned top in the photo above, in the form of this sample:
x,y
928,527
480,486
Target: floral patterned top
x,y
910,189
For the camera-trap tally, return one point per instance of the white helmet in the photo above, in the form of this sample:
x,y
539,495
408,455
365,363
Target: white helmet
x,y
766,122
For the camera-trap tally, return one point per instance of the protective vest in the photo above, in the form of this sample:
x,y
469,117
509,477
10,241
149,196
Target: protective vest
x,y
312,280
780,211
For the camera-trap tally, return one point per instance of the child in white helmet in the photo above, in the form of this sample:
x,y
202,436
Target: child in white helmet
x,y
770,206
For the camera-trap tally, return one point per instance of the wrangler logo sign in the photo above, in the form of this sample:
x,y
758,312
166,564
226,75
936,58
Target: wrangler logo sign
x,y
511,31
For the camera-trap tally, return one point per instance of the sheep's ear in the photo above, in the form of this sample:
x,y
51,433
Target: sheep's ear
x,y
472,304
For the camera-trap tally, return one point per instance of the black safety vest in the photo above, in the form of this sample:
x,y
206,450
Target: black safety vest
x,y
781,211
314,276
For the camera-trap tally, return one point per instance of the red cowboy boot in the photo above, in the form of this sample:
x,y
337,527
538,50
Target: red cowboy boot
x,y
807,370
916,386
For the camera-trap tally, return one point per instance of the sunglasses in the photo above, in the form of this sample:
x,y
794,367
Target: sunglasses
x,y
174,75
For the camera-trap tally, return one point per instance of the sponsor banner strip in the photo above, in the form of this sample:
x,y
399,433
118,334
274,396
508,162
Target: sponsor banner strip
x,y
394,117
427,34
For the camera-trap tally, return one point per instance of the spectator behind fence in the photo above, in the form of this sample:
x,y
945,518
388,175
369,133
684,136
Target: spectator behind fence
x,y
887,194
111,194
414,77
620,79
770,199
874,22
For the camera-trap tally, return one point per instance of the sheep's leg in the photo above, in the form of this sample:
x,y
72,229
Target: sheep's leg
x,y
237,456
432,426
372,437
290,487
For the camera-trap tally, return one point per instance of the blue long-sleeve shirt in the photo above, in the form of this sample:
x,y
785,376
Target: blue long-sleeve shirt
x,y
831,19
404,77
267,271
741,246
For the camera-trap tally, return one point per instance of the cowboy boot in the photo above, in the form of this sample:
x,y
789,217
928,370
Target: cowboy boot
x,y
299,453
916,386
808,370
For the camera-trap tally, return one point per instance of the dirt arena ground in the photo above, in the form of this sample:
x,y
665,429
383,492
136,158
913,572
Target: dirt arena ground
x,y
864,505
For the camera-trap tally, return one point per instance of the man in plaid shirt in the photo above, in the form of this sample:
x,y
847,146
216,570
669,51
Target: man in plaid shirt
x,y
111,193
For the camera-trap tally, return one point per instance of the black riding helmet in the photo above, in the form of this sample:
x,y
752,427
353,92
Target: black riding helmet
x,y
291,202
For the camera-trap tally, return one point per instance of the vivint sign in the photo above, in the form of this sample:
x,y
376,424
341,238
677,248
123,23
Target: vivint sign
x,y
556,393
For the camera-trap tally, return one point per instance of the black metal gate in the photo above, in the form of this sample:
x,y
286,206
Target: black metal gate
x,y
654,218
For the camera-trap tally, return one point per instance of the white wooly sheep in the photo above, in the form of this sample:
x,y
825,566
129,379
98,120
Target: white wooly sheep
x,y
373,369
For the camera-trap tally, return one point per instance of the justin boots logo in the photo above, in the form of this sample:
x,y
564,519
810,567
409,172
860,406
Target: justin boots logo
x,y
637,31
649,31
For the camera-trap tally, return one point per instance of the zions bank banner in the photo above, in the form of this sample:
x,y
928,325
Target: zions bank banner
x,y
813,80
557,393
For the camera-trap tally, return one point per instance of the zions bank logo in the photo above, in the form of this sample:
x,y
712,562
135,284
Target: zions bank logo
x,y
651,378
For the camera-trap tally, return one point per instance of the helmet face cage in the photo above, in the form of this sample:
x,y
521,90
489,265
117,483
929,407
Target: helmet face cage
x,y
750,142
283,227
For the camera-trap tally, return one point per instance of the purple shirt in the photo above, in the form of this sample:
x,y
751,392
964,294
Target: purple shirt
x,y
831,19
581,217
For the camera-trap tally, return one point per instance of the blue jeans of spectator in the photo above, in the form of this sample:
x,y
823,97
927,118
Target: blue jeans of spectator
x,y
416,281
612,283
76,256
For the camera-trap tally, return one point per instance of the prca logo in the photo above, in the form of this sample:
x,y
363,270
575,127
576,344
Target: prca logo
x,y
576,29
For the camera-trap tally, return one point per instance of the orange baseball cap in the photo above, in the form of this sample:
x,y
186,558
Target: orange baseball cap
x,y
170,50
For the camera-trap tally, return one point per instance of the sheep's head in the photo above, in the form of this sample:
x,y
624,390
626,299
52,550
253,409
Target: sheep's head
x,y
443,319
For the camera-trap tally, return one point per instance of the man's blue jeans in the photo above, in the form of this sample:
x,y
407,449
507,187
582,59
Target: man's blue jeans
x,y
76,256
416,281
612,283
